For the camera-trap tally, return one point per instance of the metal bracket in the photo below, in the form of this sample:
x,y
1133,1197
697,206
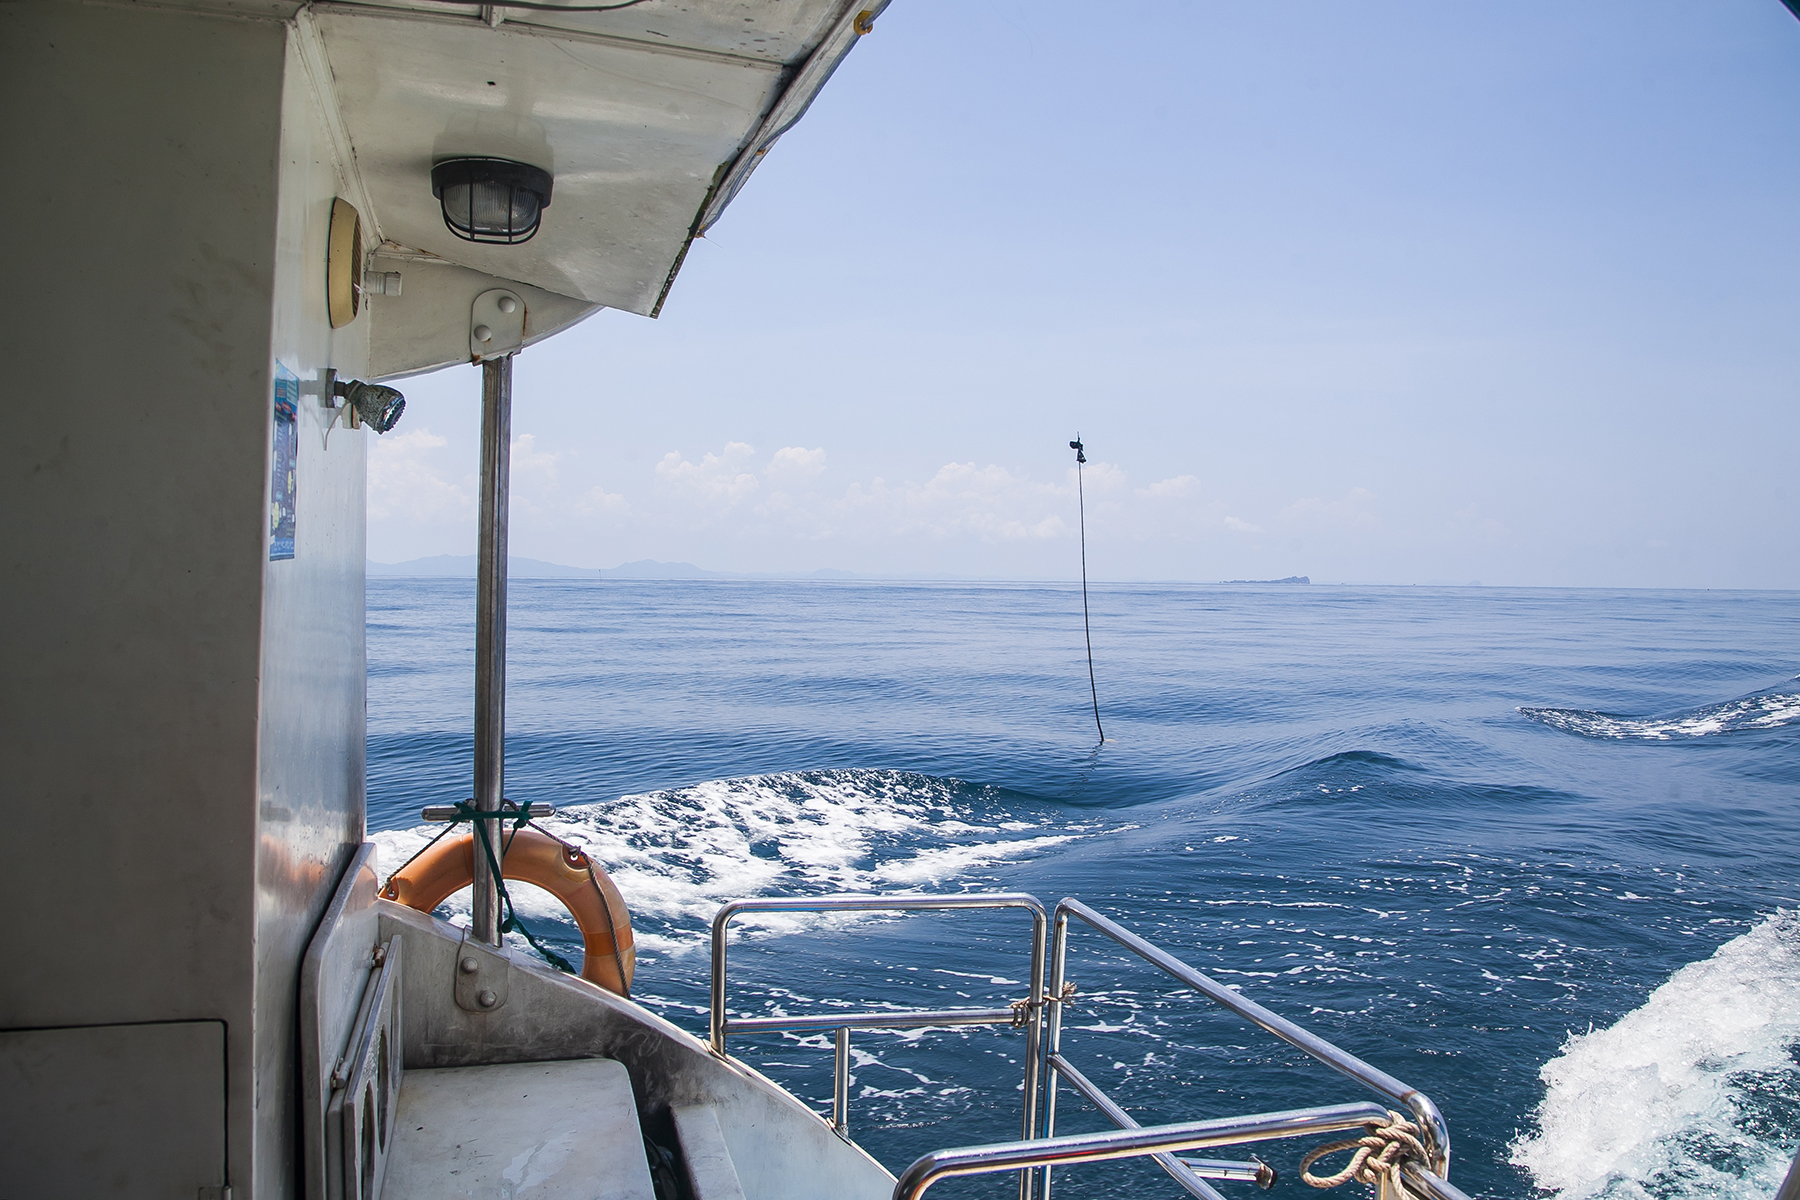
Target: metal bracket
x,y
482,976
331,402
442,813
496,324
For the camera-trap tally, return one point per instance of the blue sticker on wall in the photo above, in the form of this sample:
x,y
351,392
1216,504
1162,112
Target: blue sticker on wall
x,y
282,471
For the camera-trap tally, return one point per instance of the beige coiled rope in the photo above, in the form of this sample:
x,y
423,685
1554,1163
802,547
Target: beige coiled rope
x,y
1379,1155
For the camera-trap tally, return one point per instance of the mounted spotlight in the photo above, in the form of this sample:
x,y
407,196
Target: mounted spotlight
x,y
370,404
491,200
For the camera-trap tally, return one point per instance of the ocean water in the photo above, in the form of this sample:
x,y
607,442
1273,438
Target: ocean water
x,y
1536,852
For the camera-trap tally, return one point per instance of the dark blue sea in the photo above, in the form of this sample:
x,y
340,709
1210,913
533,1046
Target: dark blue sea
x,y
1536,852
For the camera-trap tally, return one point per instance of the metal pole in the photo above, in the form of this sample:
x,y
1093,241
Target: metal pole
x,y
490,635
1790,1187
1034,1036
840,1084
1054,1001
1140,1143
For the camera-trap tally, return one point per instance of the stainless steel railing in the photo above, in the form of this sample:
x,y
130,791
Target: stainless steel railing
x,y
1429,1178
1157,1140
1040,1015
1026,1015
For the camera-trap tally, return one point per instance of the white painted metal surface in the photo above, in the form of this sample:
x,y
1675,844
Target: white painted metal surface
x,y
368,1083
496,323
428,326
311,669
528,1131
193,709
781,1149
632,137
129,1111
334,977
710,1173
637,114
649,119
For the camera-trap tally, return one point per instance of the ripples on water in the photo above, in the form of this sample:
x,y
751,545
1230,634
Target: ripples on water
x,y
1410,818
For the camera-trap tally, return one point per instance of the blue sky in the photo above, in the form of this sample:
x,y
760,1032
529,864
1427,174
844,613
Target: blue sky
x,y
1368,291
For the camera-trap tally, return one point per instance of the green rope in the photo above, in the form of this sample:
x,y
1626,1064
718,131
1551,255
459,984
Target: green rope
x,y
520,817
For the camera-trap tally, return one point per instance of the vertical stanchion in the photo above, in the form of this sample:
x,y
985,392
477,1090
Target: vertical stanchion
x,y
840,1085
1034,1048
490,635
1053,1004
1790,1187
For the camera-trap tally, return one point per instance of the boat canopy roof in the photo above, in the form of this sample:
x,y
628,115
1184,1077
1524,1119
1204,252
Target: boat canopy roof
x,y
649,116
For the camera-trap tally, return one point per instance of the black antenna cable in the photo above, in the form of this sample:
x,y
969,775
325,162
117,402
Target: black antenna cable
x,y
1086,630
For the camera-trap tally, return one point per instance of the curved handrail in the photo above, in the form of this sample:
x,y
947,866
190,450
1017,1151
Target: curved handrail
x,y
1437,1133
1033,1005
1129,1143
865,903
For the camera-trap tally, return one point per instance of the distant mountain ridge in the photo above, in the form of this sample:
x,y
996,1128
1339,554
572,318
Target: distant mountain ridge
x,y
1289,579
462,566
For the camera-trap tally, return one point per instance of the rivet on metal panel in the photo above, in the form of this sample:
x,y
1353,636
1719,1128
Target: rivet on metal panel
x,y
481,981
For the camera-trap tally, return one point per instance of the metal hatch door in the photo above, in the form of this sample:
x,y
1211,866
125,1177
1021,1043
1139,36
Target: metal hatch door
x,y
113,1110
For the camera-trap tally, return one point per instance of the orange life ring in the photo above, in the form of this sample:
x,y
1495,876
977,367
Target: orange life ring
x,y
609,954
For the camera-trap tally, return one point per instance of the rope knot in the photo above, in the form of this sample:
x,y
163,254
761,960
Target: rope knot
x,y
1376,1157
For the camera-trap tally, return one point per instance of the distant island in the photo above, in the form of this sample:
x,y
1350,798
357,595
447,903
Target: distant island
x,y
1289,579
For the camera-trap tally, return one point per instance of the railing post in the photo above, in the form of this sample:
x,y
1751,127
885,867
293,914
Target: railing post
x,y
1033,1005
1053,1005
840,1083
1034,1042
720,921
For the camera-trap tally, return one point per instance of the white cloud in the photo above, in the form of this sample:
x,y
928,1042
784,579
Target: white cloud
x,y
597,501
796,462
1355,510
528,461
408,479
718,479
1100,477
990,503
1175,488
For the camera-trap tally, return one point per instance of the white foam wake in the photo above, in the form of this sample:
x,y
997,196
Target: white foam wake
x,y
1694,1094
678,855
1764,710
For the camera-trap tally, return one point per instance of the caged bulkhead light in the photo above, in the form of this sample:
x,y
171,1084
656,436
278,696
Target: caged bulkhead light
x,y
492,200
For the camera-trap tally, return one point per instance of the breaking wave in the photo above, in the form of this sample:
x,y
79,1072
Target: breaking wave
x,y
1771,709
681,853
1696,1093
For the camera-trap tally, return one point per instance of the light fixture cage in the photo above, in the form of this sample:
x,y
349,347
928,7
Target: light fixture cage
x,y
491,200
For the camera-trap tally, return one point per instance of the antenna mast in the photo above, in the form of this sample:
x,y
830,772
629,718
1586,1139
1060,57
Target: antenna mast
x,y
1086,629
